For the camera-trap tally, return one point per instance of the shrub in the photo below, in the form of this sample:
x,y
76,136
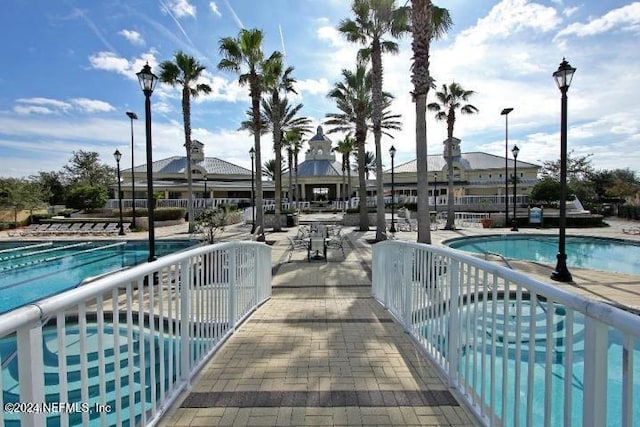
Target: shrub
x,y
168,214
228,208
87,197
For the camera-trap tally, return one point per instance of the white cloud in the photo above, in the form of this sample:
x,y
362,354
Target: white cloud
x,y
45,102
625,18
214,8
181,8
109,61
313,87
133,36
92,105
32,109
570,11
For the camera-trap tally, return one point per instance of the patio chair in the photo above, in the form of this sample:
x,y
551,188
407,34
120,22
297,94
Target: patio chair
x,y
40,229
64,227
296,244
51,230
30,229
98,228
86,228
336,242
73,228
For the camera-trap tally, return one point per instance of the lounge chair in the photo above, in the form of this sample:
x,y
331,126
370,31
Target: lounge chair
x,y
97,228
51,230
26,231
86,228
634,229
111,228
73,229
39,229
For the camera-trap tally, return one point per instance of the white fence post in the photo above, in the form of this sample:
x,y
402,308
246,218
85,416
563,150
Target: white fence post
x,y
31,372
232,289
454,324
186,281
594,408
407,286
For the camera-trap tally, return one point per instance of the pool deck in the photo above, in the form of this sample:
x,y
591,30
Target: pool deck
x,y
322,351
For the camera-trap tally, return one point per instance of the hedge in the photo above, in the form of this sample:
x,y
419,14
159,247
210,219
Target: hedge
x,y
160,214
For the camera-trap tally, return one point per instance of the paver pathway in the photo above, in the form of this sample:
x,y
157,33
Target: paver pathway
x,y
321,351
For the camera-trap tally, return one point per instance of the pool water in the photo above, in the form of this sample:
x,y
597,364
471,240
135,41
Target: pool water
x,y
481,344
619,256
33,271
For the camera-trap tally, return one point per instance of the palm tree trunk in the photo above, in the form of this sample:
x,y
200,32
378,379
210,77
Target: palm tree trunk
x,y
255,106
289,161
424,219
450,199
376,95
277,175
186,116
362,191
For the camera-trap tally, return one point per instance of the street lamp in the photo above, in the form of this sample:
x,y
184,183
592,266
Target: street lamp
x,y
118,156
392,153
133,117
148,82
563,77
252,154
515,150
505,112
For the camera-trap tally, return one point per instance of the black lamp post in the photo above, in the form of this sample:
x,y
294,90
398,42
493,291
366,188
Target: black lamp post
x,y
563,77
252,154
118,156
133,117
206,195
148,82
392,153
515,150
505,112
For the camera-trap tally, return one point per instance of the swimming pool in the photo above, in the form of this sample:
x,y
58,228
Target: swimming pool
x,y
595,253
36,270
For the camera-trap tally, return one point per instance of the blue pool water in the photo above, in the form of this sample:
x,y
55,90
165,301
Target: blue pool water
x,y
586,252
35,270
481,339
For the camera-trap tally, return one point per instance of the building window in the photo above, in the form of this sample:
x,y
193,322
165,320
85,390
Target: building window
x,y
175,195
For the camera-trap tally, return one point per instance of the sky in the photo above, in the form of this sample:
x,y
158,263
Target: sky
x,y
69,76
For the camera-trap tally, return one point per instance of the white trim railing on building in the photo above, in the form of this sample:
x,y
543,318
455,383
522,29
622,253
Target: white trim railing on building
x,y
129,342
519,351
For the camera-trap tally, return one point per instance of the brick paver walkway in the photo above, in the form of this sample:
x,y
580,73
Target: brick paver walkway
x,y
321,351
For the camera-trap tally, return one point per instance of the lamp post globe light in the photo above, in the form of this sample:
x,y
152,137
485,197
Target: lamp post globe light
x,y
252,154
505,112
392,153
515,150
133,116
563,77
148,82
118,156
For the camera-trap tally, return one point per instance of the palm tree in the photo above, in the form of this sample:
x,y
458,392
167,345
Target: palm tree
x,y
345,148
370,164
184,71
243,55
427,22
291,139
374,20
269,169
449,100
277,79
353,99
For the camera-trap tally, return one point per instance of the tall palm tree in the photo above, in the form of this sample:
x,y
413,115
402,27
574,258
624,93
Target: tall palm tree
x,y
291,139
345,148
277,79
428,22
353,99
243,55
185,71
374,20
450,99
370,164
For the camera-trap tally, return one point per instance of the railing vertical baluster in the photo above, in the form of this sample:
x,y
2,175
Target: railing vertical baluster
x,y
102,387
453,331
405,284
142,345
567,363
116,354
505,349
62,365
533,310
84,363
186,280
151,291
518,357
594,408
31,371
231,283
627,381
130,347
549,353
164,285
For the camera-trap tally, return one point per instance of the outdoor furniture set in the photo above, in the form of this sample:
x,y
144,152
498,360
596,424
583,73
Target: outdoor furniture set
x,y
315,240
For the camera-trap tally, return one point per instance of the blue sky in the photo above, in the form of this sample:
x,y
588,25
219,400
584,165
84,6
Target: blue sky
x,y
68,76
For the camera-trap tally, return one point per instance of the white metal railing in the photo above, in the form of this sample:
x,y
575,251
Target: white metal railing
x,y
520,351
120,349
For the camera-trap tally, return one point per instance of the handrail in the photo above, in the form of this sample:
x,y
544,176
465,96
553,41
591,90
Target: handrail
x,y
499,256
165,318
468,314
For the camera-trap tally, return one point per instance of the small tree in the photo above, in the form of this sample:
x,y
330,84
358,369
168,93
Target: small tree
x,y
547,190
210,223
87,197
